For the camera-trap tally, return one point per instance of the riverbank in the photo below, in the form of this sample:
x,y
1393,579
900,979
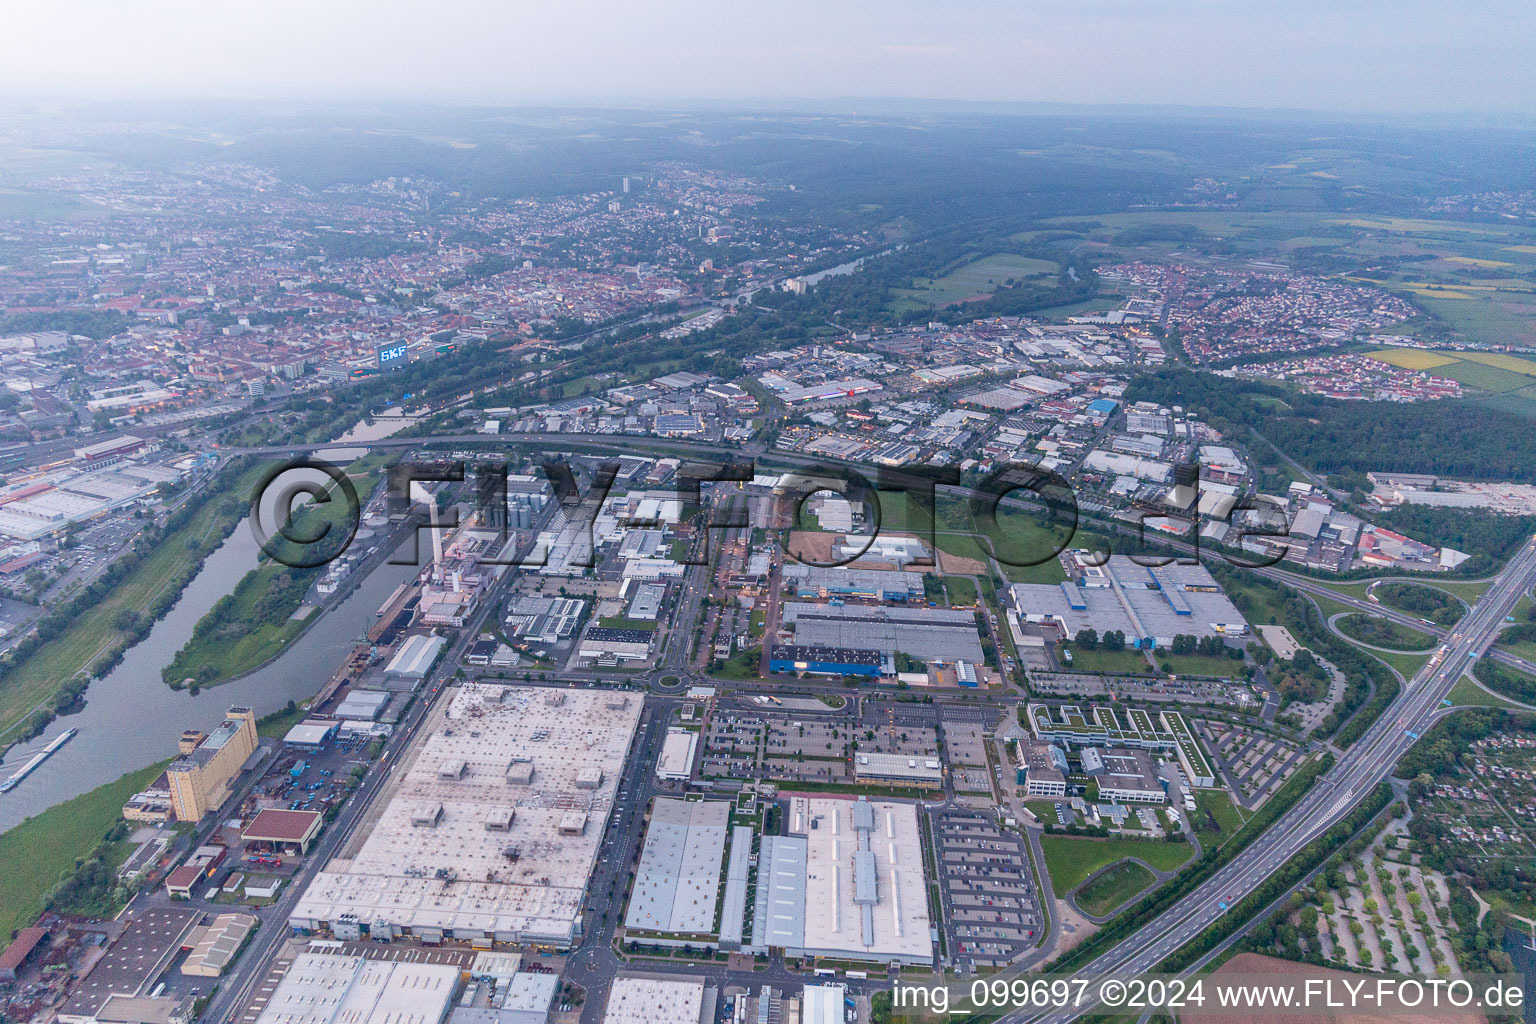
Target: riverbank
x,y
41,852
105,623
253,624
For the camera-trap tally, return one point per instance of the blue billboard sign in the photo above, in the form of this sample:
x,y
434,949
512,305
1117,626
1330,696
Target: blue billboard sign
x,y
390,355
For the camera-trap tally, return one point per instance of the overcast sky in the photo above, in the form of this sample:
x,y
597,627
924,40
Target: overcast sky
x,y
1351,55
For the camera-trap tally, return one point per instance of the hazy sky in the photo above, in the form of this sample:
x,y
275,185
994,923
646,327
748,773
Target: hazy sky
x,y
1403,56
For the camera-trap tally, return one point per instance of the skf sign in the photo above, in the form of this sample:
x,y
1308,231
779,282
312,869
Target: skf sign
x,y
393,353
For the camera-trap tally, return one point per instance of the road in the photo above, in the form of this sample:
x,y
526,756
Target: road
x,y
1357,771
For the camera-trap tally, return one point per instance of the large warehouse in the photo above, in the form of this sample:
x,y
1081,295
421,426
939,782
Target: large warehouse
x,y
928,634
491,824
659,1000
1150,605
677,885
319,988
847,883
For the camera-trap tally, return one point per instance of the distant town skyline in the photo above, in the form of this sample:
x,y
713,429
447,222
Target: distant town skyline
x,y
1362,57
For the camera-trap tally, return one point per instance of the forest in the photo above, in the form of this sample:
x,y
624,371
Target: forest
x,y
1455,439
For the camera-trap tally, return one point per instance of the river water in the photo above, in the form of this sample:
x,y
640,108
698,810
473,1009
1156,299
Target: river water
x,y
132,718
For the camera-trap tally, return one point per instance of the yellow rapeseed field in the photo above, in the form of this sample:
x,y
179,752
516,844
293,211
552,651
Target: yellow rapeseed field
x,y
1412,358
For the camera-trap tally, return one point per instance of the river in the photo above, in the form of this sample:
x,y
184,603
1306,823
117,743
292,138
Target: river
x,y
132,718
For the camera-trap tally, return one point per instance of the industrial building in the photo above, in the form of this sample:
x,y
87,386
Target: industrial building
x,y
677,884
733,912
1150,605
677,752
311,734
146,947
416,656
927,634
812,581
200,778
898,768
602,644
284,830
215,945
846,883
491,823
1102,727
324,988
646,604
823,1004
658,1000
28,941
362,705
549,620
829,661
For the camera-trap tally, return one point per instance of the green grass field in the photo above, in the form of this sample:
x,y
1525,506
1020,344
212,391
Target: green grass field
x,y
960,589
1525,649
979,277
1113,889
1469,694
1100,660
229,658
41,851
1228,817
1200,665
1070,860
1407,665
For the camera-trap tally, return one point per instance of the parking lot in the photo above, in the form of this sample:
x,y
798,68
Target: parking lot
x,y
731,744
896,727
991,909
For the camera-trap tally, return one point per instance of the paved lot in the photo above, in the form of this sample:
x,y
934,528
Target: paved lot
x,y
991,908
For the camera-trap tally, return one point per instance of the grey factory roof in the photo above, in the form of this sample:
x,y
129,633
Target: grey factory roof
x,y
733,913
931,634
779,916
1138,600
677,883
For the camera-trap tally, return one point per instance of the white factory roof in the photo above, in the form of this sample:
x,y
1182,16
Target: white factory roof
x,y
322,988
456,874
834,910
531,992
899,766
822,1004
654,1001
677,750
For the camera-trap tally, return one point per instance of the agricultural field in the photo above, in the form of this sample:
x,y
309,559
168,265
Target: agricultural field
x,y
1493,372
975,280
1473,280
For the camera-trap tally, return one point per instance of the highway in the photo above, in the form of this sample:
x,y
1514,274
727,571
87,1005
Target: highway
x,y
1355,774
